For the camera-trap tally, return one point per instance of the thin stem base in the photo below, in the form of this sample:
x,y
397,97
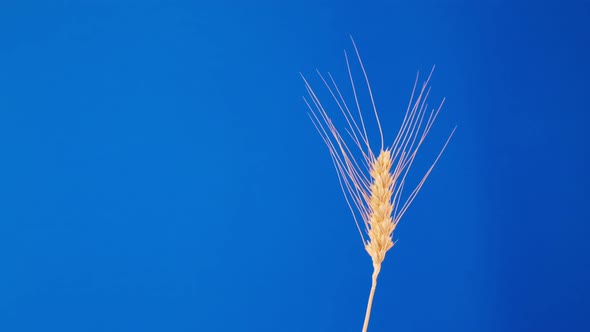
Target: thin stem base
x,y
376,270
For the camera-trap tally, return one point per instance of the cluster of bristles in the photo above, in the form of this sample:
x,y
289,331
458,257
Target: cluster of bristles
x,y
376,196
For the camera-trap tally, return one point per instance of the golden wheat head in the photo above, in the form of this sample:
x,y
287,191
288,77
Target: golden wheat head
x,y
373,180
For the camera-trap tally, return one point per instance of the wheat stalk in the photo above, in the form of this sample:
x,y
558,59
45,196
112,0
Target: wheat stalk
x,y
373,185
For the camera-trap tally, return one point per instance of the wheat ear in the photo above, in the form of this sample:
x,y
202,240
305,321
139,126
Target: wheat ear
x,y
373,185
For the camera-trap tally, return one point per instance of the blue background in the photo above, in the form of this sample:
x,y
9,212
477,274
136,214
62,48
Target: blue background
x,y
158,171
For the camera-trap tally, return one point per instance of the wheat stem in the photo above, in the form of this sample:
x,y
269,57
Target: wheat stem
x,y
376,270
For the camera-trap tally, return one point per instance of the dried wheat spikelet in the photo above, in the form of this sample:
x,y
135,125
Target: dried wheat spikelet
x,y
373,183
